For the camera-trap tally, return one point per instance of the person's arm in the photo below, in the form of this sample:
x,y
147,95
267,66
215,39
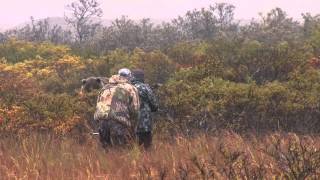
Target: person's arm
x,y
153,102
134,106
135,99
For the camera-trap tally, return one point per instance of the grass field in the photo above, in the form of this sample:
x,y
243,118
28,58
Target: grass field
x,y
224,156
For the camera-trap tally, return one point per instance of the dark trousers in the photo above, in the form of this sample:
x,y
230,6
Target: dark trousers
x,y
145,139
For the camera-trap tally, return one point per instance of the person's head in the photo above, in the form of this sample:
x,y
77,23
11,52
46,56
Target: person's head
x,y
125,72
138,75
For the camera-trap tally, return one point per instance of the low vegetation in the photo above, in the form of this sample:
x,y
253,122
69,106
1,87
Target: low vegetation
x,y
224,156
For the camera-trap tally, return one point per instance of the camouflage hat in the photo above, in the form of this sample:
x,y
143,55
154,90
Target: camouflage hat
x,y
125,72
138,74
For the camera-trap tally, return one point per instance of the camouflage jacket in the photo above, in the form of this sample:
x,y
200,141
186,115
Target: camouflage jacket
x,y
148,104
119,101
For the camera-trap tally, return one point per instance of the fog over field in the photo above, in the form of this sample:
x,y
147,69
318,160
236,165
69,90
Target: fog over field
x,y
16,12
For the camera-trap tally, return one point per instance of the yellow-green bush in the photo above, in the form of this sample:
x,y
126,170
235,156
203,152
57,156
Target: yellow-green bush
x,y
14,51
213,103
219,88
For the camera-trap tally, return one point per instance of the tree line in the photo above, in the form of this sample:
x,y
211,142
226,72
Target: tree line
x,y
214,22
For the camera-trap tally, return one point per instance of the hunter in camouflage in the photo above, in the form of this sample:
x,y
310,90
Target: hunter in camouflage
x,y
148,104
117,110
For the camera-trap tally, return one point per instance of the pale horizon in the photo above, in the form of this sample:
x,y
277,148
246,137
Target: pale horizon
x,y
15,12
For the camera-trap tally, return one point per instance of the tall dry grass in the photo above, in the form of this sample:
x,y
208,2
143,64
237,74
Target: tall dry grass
x,y
224,156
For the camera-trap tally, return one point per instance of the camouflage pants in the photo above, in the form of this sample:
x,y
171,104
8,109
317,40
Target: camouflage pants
x,y
114,133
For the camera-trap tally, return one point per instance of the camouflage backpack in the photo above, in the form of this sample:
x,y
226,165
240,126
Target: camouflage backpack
x,y
117,102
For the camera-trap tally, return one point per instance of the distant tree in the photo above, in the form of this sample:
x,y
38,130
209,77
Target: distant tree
x,y
3,37
145,34
166,35
311,30
81,17
206,23
310,23
286,28
224,14
40,31
57,35
125,32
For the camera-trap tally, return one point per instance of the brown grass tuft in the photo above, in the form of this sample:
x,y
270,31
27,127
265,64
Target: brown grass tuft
x,y
225,156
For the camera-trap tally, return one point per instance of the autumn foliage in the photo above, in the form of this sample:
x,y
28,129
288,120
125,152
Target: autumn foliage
x,y
273,87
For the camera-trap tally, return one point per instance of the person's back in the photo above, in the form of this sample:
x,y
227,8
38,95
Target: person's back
x,y
117,110
148,104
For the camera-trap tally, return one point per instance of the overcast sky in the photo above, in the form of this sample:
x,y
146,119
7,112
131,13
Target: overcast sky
x,y
14,12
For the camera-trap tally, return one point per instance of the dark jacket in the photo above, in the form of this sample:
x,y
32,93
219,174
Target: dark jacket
x,y
148,104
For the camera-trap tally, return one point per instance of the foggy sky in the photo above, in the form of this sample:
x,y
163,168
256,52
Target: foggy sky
x,y
14,12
